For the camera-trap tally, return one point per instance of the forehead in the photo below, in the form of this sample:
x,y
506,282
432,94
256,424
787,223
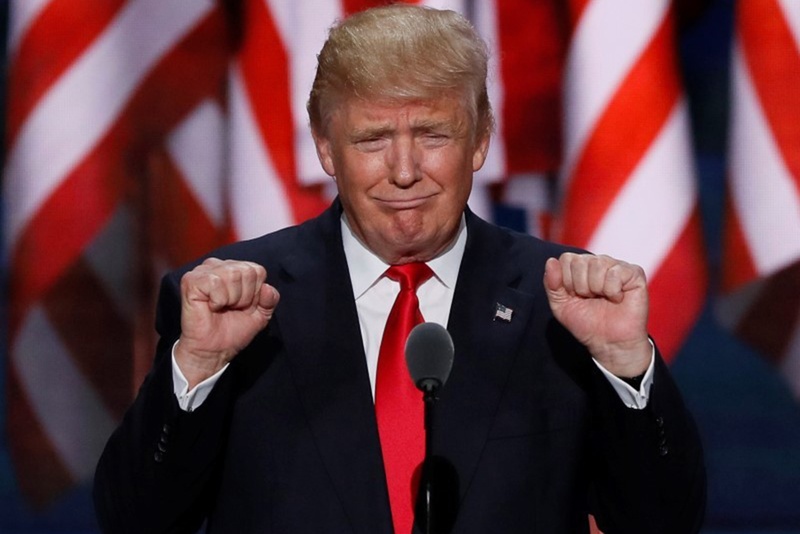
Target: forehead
x,y
359,113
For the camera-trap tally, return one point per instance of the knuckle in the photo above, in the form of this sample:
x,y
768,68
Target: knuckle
x,y
192,278
256,270
213,281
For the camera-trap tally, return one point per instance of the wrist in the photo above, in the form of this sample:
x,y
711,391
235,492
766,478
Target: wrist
x,y
197,366
626,361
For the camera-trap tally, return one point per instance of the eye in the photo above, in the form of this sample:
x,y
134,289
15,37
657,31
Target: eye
x,y
371,144
435,139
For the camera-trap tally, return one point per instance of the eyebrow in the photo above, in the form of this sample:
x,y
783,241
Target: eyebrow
x,y
422,126
448,127
372,131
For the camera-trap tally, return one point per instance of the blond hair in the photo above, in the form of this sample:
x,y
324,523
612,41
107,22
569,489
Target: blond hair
x,y
402,52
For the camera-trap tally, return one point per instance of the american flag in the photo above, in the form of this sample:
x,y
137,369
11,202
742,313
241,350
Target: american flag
x,y
761,263
114,136
503,313
143,133
627,184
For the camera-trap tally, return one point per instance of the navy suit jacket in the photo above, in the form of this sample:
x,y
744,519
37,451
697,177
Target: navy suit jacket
x,y
529,436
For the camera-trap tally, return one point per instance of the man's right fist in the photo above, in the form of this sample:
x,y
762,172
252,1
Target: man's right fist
x,y
224,304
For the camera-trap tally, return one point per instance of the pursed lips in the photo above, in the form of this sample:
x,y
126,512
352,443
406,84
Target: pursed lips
x,y
404,203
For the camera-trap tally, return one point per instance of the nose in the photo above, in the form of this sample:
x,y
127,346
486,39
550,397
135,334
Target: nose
x,y
404,162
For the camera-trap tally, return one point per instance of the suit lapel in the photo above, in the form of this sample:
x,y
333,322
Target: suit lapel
x,y
484,345
318,321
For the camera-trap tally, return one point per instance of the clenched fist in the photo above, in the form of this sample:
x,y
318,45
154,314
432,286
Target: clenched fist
x,y
603,302
224,304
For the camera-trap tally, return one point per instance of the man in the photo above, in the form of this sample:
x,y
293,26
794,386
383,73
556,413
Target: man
x,y
267,416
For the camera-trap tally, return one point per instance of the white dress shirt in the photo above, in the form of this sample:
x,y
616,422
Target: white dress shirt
x,y
375,294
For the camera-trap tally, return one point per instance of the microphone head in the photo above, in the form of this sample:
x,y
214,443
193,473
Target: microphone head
x,y
429,356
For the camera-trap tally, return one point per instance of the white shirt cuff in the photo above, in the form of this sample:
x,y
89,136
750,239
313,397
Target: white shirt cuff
x,y
629,396
191,400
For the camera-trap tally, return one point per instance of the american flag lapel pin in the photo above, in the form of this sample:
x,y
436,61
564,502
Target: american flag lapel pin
x,y
503,313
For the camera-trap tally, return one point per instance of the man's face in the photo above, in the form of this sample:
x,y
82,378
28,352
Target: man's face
x,y
403,171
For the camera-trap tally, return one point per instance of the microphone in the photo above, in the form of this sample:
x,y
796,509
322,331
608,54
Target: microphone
x,y
429,356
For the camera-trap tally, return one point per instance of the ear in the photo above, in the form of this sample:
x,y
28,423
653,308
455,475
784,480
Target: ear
x,y
481,150
324,153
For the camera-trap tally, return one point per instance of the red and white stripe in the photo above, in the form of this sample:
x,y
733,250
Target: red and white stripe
x,y
627,178
532,41
94,166
270,143
761,267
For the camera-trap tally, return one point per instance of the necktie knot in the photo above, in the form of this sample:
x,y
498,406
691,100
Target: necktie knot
x,y
409,275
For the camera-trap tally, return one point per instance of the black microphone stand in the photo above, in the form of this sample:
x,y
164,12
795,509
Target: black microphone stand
x,y
429,388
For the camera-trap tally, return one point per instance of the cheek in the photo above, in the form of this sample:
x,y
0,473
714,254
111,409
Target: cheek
x,y
353,175
456,176
364,171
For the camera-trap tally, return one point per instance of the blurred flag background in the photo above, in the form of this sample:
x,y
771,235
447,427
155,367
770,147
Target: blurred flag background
x,y
142,133
761,275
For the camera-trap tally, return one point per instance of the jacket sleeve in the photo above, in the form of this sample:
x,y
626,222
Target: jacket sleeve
x,y
648,472
158,470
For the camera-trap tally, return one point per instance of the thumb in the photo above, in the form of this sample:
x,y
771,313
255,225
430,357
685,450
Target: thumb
x,y
268,298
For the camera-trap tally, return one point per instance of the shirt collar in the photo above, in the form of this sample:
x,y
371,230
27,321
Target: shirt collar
x,y
366,268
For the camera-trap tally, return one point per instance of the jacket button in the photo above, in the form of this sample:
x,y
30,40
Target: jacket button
x,y
663,450
158,457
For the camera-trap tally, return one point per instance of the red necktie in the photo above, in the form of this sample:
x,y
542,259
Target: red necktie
x,y
398,403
